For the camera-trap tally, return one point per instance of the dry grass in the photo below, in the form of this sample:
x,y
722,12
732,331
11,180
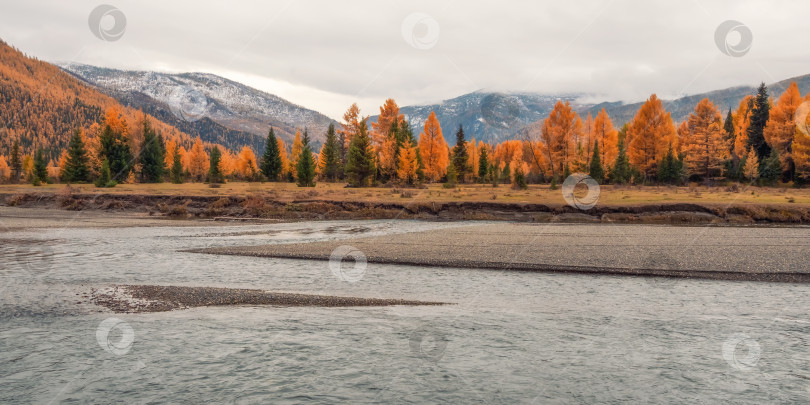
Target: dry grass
x,y
540,194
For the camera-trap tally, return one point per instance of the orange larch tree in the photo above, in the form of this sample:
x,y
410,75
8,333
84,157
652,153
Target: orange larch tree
x,y
295,153
584,146
433,149
246,164
608,138
389,114
780,129
5,171
197,161
704,140
801,142
473,156
351,124
408,165
387,155
285,161
505,152
650,133
560,129
742,119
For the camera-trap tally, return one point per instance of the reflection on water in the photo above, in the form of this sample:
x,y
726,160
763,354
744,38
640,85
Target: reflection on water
x,y
512,337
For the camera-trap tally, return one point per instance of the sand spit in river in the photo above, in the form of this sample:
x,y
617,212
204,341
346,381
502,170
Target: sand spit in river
x,y
156,298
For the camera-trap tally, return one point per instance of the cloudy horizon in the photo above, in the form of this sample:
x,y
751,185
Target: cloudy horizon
x,y
327,55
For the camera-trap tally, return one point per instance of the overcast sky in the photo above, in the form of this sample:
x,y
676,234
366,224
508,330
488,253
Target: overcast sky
x,y
327,54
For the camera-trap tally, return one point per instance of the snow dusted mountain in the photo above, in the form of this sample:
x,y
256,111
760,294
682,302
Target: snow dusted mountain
x,y
489,116
192,99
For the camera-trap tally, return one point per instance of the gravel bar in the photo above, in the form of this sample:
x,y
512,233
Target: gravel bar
x,y
157,298
775,254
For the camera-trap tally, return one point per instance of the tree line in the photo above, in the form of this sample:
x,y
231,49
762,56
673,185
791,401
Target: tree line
x,y
763,140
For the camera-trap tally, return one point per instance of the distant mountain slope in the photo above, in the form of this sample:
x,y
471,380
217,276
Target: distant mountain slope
x,y
681,108
205,128
491,117
41,106
232,105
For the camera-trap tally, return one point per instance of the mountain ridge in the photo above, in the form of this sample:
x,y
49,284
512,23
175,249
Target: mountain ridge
x,y
196,96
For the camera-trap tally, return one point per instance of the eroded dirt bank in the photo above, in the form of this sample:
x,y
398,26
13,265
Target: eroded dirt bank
x,y
237,207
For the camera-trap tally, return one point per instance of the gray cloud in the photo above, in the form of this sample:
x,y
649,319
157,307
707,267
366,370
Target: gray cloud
x,y
326,55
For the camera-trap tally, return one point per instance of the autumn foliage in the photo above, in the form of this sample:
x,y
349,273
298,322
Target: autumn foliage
x,y
35,116
649,136
434,149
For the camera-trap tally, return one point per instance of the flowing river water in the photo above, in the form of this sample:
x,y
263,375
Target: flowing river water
x,y
510,337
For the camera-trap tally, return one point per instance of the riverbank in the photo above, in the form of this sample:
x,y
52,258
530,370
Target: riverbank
x,y
273,207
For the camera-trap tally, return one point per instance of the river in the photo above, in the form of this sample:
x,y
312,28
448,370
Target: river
x,y
510,337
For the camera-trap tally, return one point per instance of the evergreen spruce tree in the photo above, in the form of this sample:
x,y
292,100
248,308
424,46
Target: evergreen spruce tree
x,y
177,167
493,175
770,169
519,179
620,174
760,110
451,178
669,168
596,171
105,179
331,151
114,147
360,168
214,171
76,167
460,156
729,125
40,174
305,167
506,174
152,156
271,159
16,162
483,165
